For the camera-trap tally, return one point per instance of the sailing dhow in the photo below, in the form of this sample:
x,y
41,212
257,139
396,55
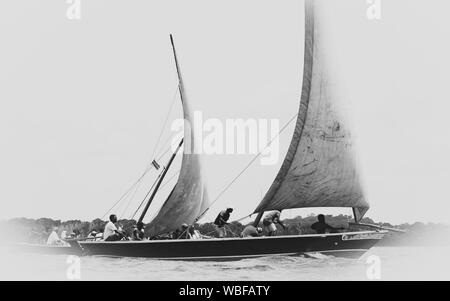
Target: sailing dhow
x,y
318,171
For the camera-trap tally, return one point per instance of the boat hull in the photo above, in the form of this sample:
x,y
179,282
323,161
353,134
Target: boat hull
x,y
351,244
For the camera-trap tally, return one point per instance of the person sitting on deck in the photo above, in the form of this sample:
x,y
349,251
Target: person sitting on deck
x,y
138,231
321,227
53,238
222,220
111,232
251,231
175,234
75,234
270,220
184,233
195,234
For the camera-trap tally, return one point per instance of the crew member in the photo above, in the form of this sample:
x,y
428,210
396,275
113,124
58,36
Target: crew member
x,y
175,234
138,231
195,234
53,238
221,221
111,232
185,234
251,231
321,227
270,220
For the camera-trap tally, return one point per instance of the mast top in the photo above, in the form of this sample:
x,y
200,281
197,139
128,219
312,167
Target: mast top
x,y
180,82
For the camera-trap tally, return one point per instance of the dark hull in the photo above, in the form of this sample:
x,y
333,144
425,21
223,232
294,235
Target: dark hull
x,y
352,245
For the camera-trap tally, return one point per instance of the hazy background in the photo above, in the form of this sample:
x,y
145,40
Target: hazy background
x,y
82,102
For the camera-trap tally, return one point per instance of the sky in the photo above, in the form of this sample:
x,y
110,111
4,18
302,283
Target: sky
x,y
82,102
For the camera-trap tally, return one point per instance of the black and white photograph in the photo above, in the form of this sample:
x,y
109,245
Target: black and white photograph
x,y
224,141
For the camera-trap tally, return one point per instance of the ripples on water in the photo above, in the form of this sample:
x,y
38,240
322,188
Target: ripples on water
x,y
396,264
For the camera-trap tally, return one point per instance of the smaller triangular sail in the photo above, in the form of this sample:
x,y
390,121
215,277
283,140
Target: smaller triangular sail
x,y
188,198
319,168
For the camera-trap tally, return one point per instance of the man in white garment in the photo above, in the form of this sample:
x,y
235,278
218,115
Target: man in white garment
x,y
53,239
111,232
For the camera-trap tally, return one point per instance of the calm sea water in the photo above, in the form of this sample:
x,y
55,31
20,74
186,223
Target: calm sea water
x,y
395,263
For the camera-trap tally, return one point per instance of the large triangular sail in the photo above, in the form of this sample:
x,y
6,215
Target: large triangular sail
x,y
319,168
188,198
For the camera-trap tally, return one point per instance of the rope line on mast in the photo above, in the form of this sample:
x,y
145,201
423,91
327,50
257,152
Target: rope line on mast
x,y
164,124
148,193
245,168
170,179
158,184
161,155
242,218
124,194
162,186
149,165
130,200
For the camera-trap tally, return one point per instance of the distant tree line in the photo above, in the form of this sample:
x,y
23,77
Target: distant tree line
x,y
37,230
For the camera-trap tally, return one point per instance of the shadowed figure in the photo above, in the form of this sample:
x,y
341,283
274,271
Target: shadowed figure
x,y
321,227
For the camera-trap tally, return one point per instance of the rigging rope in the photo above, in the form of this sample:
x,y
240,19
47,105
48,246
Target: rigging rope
x,y
170,179
149,165
165,123
242,218
130,200
151,188
160,156
245,168
148,193
158,159
124,195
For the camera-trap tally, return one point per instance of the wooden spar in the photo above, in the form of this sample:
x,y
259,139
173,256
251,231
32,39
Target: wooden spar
x,y
160,181
354,215
180,82
258,219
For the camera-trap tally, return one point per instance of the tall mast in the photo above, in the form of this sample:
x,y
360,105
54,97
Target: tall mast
x,y
180,82
160,181
180,88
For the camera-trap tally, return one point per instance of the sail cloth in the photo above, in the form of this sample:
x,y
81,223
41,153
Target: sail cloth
x,y
188,198
319,169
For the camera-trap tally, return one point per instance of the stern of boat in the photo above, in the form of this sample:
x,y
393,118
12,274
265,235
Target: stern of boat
x,y
352,244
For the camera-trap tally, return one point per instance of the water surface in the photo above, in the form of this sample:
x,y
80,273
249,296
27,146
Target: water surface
x,y
396,263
